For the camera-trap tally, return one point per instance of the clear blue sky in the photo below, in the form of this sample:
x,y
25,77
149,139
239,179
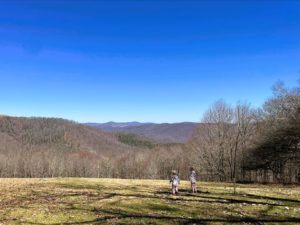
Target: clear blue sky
x,y
159,61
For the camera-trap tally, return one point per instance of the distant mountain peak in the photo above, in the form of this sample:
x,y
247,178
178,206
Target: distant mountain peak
x,y
163,132
116,124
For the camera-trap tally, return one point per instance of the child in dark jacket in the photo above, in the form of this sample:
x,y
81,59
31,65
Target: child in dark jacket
x,y
174,180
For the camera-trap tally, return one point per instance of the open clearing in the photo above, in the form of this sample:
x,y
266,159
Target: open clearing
x,y
116,201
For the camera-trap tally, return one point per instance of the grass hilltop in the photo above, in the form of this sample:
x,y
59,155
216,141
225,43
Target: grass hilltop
x,y
117,201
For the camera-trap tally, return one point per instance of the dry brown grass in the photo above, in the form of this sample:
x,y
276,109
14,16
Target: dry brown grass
x,y
116,201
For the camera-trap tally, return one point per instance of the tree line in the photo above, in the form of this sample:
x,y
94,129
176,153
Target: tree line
x,y
241,143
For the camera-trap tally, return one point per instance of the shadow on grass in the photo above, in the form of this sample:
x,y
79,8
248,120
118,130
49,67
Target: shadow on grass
x,y
272,198
242,195
107,215
185,192
202,197
221,200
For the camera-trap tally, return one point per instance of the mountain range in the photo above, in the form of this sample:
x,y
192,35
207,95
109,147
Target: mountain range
x,y
49,147
20,133
162,133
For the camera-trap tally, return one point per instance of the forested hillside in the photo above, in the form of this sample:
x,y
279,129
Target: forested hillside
x,y
33,147
49,147
65,135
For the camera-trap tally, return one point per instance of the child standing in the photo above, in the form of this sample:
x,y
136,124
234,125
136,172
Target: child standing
x,y
174,180
193,180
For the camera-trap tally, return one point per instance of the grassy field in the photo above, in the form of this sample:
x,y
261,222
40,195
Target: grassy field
x,y
115,201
